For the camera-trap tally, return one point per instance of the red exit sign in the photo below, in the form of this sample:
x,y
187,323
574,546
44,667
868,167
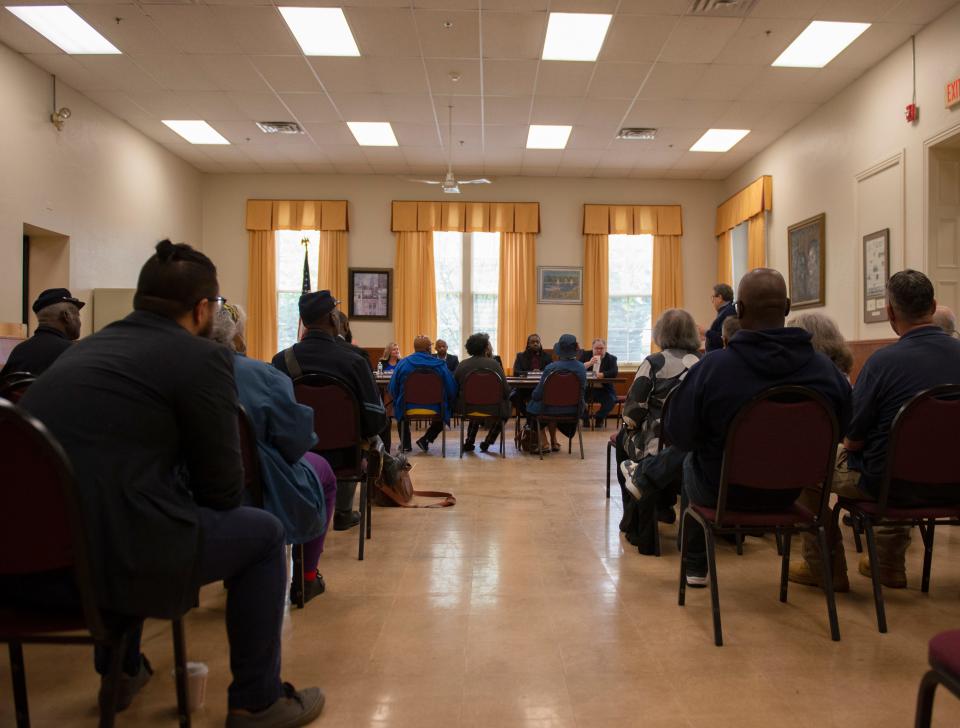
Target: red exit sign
x,y
953,92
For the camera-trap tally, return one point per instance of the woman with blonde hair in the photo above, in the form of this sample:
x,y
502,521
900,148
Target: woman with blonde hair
x,y
390,357
827,338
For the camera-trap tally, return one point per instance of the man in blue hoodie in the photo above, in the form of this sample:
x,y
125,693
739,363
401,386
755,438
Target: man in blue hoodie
x,y
421,358
762,355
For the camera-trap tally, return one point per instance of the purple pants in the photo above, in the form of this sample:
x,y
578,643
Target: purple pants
x,y
313,549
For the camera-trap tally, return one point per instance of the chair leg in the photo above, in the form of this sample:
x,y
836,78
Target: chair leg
x,y
503,445
714,587
875,576
180,670
537,435
109,711
19,675
682,592
928,687
580,437
784,565
927,535
609,451
739,538
856,536
827,575
297,579
366,493
779,536
443,441
461,437
364,514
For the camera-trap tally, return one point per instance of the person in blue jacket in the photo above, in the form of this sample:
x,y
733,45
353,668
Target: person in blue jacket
x,y
722,300
421,358
566,350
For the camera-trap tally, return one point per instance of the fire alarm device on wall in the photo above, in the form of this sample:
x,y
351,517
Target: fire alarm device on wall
x,y
912,113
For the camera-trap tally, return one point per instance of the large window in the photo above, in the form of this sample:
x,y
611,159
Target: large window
x,y
290,279
739,245
631,296
467,270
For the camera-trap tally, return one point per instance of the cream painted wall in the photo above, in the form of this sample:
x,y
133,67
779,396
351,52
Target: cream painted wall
x,y
372,244
816,164
107,187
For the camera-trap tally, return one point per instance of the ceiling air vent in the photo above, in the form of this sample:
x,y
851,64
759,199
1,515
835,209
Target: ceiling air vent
x,y
722,8
636,132
279,127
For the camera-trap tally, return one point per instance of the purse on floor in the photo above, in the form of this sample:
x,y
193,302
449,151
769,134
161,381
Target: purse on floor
x,y
401,493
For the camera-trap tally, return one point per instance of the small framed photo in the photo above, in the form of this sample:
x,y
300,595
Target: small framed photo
x,y
559,285
371,294
806,244
876,271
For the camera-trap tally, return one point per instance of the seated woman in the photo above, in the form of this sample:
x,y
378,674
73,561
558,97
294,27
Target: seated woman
x,y
390,357
827,339
480,351
566,350
676,334
299,487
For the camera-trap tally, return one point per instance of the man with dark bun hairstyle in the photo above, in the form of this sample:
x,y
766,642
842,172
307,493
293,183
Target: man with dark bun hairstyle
x,y
146,409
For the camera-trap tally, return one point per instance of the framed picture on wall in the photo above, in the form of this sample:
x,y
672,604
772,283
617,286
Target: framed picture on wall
x,y
876,271
559,285
371,294
806,257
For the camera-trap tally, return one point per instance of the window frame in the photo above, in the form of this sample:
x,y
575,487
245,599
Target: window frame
x,y
629,362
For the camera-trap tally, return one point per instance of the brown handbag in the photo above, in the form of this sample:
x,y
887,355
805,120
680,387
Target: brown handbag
x,y
402,494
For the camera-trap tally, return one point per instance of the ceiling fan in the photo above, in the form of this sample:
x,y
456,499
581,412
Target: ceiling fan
x,y
450,184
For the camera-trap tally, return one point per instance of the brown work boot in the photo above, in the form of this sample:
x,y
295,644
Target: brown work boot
x,y
802,572
892,578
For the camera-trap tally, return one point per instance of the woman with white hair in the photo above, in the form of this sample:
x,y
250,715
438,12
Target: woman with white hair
x,y
299,486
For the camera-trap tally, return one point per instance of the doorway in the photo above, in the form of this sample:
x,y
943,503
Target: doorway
x,y
943,240
46,264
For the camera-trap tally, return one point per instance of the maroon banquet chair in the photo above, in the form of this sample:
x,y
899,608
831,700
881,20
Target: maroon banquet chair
x,y
15,384
921,453
336,422
562,389
41,530
482,388
423,389
763,453
944,657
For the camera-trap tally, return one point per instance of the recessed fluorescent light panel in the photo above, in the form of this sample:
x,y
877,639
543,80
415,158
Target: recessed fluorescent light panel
x,y
321,31
64,28
543,136
373,133
575,36
195,131
819,43
719,140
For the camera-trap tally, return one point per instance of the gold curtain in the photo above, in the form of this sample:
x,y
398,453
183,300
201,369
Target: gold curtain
x,y
757,242
724,258
262,296
332,267
667,274
596,286
415,290
751,200
469,217
517,302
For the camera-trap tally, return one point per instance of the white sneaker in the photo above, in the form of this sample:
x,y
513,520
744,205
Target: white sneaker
x,y
696,581
628,468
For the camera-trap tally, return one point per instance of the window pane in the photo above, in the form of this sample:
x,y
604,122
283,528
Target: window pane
x,y
289,252
288,316
739,245
448,320
485,282
448,270
485,316
630,304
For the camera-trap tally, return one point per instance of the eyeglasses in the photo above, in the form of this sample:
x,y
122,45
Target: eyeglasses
x,y
219,300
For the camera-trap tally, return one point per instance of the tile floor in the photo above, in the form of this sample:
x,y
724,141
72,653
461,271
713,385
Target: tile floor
x,y
522,606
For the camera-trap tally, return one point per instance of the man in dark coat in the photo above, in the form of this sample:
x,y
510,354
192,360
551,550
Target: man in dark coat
x,y
532,359
479,348
451,360
722,300
603,365
146,409
58,314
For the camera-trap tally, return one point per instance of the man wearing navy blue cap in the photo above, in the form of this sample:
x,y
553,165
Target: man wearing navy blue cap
x,y
58,313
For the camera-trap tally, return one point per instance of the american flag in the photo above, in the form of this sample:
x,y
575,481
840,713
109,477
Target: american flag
x,y
306,265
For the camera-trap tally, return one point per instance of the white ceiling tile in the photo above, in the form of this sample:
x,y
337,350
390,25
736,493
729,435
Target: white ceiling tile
x,y
636,37
784,115
589,137
260,107
531,171
580,157
371,75
616,80
411,109
163,105
466,110
416,135
743,114
445,4
722,83
69,71
467,138
798,84
21,37
310,108
385,32
502,138
878,41
211,105
918,11
461,40
361,107
117,103
759,41
287,73
438,72
802,9
671,112
245,133
509,78
134,34
345,154
654,7
175,72
332,134
506,109
120,72
698,40
503,157
513,35
542,157
517,5
376,155
856,11
230,73
258,30
434,159
193,28
672,80
602,112
556,110
564,78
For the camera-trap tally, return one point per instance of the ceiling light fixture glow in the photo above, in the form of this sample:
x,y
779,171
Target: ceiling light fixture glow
x,y
819,43
575,36
373,133
548,136
321,31
196,131
61,26
719,140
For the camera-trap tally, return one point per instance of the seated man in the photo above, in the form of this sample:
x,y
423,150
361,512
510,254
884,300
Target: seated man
x,y
479,349
320,352
532,359
146,409
763,354
731,325
451,360
924,357
566,349
421,358
58,314
603,364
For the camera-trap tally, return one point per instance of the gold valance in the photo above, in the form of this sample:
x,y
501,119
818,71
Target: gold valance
x,y
632,220
297,215
751,200
468,217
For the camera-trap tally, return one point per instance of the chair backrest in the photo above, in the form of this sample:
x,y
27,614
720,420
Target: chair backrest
x,y
336,413
423,386
562,389
785,438
252,475
482,387
923,438
41,527
15,384
664,441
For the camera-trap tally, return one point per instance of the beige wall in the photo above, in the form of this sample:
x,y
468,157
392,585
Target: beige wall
x,y
107,187
860,162
372,244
